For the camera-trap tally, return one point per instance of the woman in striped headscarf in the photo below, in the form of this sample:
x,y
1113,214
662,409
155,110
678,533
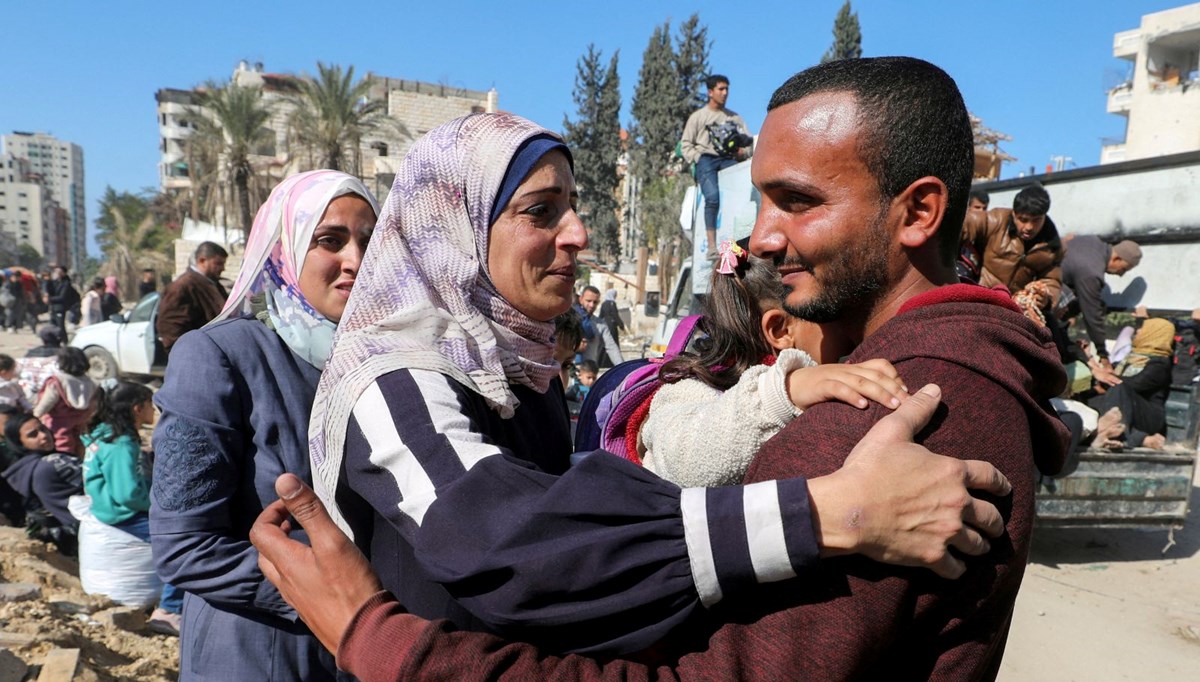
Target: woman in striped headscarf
x,y
440,442
235,406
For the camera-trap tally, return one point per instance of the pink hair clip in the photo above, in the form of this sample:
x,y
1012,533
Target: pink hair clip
x,y
731,257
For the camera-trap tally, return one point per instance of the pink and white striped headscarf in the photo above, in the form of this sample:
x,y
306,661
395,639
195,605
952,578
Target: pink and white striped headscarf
x,y
275,253
424,298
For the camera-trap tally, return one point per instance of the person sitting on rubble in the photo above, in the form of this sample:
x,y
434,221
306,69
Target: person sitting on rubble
x,y
65,401
45,479
52,337
116,475
1140,394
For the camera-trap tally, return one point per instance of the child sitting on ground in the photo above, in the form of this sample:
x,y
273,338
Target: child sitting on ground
x,y
65,402
756,370
117,479
585,376
11,392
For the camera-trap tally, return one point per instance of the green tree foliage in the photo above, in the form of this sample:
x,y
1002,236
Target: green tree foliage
x,y
595,141
692,47
232,122
657,127
333,115
131,237
28,257
670,86
847,37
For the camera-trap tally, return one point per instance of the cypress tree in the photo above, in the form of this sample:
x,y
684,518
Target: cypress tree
x,y
655,108
847,37
595,140
691,63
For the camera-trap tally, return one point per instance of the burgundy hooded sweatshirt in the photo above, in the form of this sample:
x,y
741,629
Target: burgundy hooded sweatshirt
x,y
851,618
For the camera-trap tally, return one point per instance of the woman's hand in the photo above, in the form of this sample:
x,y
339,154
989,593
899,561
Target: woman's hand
x,y
896,502
326,583
855,384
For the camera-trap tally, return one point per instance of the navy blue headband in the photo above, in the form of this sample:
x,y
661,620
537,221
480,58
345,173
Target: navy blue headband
x,y
528,154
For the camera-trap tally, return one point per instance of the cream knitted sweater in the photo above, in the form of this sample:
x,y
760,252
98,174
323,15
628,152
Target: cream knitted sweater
x,y
697,436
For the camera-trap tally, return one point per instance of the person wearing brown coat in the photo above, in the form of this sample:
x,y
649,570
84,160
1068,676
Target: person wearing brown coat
x,y
194,298
1019,247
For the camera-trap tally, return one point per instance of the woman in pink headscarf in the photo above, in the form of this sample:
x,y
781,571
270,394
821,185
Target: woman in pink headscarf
x,y
235,408
110,300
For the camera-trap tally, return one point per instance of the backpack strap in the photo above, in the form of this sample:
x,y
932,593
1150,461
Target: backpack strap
x,y
683,334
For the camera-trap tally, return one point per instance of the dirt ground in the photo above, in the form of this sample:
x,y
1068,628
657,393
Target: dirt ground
x,y
1109,605
1095,606
61,618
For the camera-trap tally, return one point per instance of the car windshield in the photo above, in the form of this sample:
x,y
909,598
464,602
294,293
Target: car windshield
x,y
144,309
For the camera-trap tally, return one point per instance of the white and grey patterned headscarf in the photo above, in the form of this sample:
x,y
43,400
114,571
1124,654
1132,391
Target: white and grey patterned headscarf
x,y
424,299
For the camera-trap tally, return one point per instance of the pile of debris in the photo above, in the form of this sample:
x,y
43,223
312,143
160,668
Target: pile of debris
x,y
50,631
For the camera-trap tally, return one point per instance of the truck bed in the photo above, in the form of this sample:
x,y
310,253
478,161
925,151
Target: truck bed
x,y
1135,488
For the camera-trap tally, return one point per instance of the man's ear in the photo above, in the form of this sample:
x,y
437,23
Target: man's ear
x,y
775,323
923,206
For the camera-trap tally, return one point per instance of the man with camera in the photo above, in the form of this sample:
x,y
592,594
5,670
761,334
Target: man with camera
x,y
714,138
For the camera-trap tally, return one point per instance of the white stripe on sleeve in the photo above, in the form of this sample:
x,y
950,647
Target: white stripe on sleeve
x,y
693,508
389,453
764,532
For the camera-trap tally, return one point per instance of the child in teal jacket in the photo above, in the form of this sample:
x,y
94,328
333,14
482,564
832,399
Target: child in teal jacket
x,y
117,478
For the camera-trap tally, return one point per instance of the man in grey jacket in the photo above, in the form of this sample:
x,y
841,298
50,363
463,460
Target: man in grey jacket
x,y
1083,269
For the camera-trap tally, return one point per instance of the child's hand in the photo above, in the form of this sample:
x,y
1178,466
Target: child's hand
x,y
855,385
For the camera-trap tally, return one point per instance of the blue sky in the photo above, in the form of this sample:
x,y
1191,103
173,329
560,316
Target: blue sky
x,y
87,72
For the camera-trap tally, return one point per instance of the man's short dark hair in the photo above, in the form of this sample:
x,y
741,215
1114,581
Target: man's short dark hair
x,y
210,250
715,80
590,288
7,362
912,124
1033,200
981,196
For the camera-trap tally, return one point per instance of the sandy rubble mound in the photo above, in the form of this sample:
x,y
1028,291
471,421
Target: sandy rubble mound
x,y
61,616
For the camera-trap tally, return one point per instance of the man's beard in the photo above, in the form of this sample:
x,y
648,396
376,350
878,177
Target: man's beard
x,y
852,280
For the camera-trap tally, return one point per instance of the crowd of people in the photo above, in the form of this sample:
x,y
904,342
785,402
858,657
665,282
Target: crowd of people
x,y
363,462
1057,280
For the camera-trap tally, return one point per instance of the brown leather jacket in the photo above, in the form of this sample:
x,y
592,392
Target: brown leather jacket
x,y
1005,259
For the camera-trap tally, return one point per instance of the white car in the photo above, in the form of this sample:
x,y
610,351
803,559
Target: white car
x,y
125,345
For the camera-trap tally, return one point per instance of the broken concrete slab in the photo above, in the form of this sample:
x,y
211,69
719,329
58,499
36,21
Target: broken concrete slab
x,y
10,592
15,640
63,665
12,668
128,618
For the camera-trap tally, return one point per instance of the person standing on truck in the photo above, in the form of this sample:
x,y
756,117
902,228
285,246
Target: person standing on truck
x,y
714,138
1083,269
1020,249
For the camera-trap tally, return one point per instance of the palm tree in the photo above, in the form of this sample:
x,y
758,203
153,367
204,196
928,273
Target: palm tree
x,y
232,119
333,114
131,248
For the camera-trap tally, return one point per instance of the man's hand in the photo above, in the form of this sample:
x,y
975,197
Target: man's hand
x,y
326,583
896,502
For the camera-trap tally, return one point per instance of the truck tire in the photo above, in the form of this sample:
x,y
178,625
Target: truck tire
x,y
101,364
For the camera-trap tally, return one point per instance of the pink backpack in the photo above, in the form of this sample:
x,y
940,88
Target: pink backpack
x,y
611,416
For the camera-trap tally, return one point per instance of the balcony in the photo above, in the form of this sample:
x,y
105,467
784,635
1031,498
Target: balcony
x,y
1112,153
1120,99
1127,43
